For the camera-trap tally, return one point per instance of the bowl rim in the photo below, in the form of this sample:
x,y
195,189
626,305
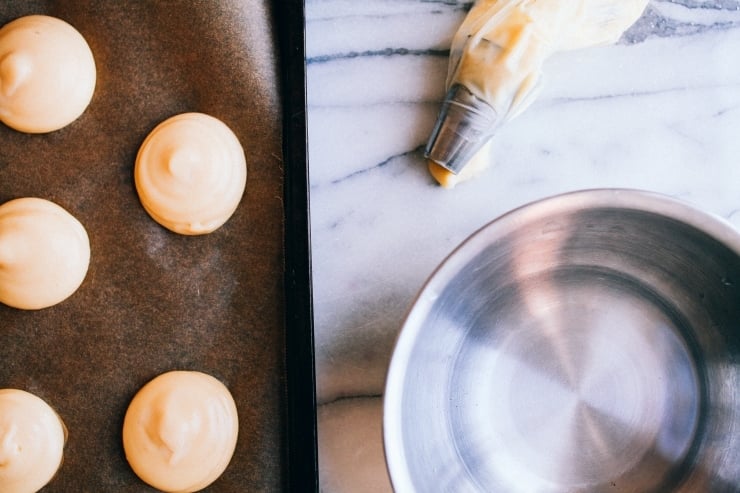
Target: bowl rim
x,y
657,203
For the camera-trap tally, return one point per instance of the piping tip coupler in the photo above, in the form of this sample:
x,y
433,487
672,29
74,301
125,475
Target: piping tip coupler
x,y
464,124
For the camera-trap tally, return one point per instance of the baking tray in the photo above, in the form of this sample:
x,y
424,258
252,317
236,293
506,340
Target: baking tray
x,y
235,303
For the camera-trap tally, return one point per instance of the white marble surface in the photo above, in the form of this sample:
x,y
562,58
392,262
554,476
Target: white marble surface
x,y
658,111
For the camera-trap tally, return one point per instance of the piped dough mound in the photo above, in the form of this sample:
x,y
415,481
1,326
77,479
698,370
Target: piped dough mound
x,y
191,173
47,74
180,431
44,253
32,440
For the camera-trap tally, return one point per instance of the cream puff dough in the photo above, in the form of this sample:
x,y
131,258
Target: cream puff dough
x,y
44,253
180,431
47,74
190,173
32,440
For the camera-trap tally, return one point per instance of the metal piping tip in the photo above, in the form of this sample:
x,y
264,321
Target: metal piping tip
x,y
464,124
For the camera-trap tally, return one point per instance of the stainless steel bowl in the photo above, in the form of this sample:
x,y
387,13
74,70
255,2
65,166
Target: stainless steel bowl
x,y
585,343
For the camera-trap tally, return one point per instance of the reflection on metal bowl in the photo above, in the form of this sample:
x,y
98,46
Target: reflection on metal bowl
x,y
588,342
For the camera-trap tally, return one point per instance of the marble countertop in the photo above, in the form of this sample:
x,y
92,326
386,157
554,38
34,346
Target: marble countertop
x,y
658,111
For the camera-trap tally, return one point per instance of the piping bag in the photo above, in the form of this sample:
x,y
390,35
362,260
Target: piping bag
x,y
495,68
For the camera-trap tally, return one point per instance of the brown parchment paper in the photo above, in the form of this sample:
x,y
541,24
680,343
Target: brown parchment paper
x,y
152,300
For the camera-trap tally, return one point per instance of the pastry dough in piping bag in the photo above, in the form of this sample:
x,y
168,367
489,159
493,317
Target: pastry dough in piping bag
x,y
496,63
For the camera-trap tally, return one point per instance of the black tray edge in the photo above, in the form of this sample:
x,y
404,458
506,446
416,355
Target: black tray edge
x,y
301,436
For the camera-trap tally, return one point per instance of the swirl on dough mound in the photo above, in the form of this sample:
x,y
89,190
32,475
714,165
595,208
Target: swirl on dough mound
x,y
32,438
47,74
180,431
44,253
190,173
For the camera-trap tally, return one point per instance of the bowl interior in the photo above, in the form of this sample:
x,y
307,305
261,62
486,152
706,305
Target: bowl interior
x,y
587,342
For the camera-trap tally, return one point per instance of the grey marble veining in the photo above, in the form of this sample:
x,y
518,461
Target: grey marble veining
x,y
660,111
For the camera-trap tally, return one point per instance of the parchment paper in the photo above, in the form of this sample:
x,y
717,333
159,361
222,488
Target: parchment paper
x,y
152,300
